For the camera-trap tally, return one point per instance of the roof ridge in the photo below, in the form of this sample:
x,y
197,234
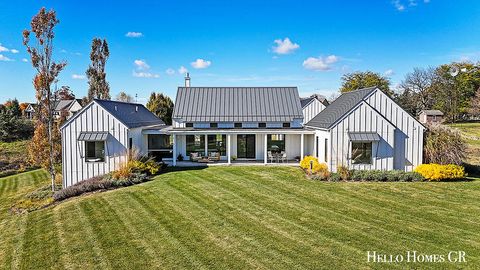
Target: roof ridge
x,y
118,101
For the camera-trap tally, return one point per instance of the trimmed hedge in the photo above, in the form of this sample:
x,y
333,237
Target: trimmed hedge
x,y
372,175
438,172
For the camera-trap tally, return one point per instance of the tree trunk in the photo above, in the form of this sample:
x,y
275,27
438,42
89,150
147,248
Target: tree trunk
x,y
50,142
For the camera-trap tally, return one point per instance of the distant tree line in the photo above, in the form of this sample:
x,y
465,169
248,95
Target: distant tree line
x,y
13,126
451,88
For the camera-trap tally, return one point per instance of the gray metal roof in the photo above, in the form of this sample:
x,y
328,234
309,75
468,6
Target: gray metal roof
x,y
363,136
130,114
231,104
93,136
63,104
338,108
431,112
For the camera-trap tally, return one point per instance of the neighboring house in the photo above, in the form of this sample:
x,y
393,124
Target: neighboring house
x,y
66,108
430,116
312,106
366,129
363,129
29,112
96,139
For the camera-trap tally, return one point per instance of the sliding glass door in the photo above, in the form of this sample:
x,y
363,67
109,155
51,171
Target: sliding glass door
x,y
246,146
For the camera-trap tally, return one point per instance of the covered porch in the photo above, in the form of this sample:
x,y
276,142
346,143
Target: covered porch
x,y
211,147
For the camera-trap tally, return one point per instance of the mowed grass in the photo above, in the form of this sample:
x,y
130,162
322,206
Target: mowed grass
x,y
241,218
471,134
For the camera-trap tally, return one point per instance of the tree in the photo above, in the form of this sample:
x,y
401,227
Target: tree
x,y
162,106
12,107
98,85
363,79
417,90
122,96
474,108
42,27
64,93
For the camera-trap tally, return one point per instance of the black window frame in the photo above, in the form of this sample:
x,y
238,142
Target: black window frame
x,y
286,125
189,125
277,140
366,149
213,125
238,125
93,159
194,148
262,125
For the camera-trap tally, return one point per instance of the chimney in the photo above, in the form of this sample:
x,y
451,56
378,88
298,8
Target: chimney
x,y
187,80
136,108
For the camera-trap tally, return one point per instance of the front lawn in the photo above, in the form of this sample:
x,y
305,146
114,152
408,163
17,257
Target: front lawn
x,y
471,134
240,218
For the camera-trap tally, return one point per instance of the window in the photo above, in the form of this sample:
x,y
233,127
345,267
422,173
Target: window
x,y
361,153
286,125
189,125
195,143
217,143
130,143
160,141
262,125
237,125
325,157
95,151
213,125
276,143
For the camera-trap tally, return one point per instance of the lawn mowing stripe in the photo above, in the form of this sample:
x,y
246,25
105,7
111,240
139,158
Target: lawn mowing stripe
x,y
151,217
126,216
200,205
191,237
40,232
19,241
64,237
375,197
11,243
119,250
355,220
255,221
90,236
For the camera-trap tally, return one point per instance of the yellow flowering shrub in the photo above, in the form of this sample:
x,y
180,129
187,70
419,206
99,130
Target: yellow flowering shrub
x,y
437,172
317,168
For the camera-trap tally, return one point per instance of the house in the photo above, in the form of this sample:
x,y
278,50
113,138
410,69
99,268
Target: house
x,y
312,106
366,129
66,108
95,140
363,129
430,116
29,111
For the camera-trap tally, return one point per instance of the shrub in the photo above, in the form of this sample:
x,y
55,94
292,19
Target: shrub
x,y
385,176
444,145
343,172
335,177
317,168
92,184
438,172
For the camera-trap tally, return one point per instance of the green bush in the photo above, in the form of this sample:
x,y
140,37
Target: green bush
x,y
335,177
385,176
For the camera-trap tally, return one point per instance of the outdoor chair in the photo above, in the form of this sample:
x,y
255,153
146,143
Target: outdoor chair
x,y
195,156
214,156
271,157
283,156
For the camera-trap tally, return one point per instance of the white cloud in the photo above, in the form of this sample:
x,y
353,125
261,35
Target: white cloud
x,y
200,63
412,3
14,51
4,58
388,72
78,77
398,5
320,63
144,75
3,49
25,60
284,46
182,70
170,71
141,64
134,34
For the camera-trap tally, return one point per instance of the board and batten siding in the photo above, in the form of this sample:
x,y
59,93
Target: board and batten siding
x,y
90,119
363,119
312,109
408,134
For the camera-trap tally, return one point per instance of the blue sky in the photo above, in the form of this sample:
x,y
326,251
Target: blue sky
x,y
308,44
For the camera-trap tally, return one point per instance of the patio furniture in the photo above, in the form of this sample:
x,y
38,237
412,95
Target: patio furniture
x,y
283,156
214,156
271,157
204,160
195,156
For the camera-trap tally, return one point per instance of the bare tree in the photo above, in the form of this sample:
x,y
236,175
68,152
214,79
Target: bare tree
x,y
42,26
122,96
418,86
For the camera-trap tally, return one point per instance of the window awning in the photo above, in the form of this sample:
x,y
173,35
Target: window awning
x,y
93,136
363,136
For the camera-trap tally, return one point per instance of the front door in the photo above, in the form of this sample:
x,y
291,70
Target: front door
x,y
246,146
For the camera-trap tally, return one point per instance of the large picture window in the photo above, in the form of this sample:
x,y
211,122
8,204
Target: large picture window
x,y
361,152
195,143
95,151
160,141
217,143
276,142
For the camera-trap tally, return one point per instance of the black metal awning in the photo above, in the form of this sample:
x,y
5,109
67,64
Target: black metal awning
x,y
363,136
94,136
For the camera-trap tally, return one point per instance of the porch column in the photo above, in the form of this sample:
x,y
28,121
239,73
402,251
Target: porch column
x,y
174,150
265,150
206,145
301,145
229,149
